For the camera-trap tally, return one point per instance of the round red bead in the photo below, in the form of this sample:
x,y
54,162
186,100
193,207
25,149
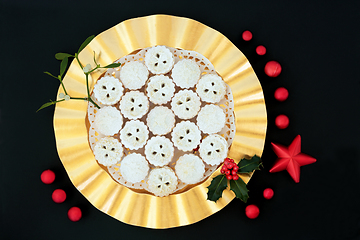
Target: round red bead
x,y
74,214
282,121
268,193
281,94
261,50
252,211
229,177
47,176
272,69
59,196
247,35
235,177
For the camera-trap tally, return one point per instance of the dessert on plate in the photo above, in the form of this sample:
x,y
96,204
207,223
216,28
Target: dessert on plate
x,y
164,122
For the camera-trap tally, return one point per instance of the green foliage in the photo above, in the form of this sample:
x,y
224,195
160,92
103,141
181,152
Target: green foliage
x,y
85,43
61,56
50,75
64,58
219,183
113,65
217,186
49,104
63,66
249,165
240,189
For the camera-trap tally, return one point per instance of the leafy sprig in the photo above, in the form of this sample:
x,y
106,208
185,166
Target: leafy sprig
x,y
87,69
220,182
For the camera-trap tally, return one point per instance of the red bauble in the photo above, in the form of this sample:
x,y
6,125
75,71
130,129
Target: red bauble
x,y
247,35
291,159
281,94
268,193
272,69
47,176
252,211
74,214
58,196
282,121
261,50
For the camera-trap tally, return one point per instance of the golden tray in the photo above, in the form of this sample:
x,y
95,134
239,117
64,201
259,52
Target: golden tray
x,y
71,132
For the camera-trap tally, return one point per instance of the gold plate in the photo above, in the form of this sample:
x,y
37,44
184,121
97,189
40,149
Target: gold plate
x,y
72,136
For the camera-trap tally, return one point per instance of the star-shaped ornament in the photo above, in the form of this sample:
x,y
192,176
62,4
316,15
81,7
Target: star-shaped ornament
x,y
291,158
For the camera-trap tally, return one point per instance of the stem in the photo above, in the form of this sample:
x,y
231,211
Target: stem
x,y
77,58
97,67
62,84
87,84
90,100
86,99
78,98
88,90
95,59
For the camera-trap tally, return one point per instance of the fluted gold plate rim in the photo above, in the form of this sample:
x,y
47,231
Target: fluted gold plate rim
x,y
71,134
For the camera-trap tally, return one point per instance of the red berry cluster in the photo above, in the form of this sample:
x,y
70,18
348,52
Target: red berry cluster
x,y
230,169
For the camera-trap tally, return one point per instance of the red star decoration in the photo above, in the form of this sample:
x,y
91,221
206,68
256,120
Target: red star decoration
x,y
291,158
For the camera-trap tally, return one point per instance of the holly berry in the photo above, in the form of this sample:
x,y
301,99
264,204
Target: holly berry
x,y
247,35
252,211
281,94
282,121
47,176
230,169
272,68
58,196
74,214
260,50
268,193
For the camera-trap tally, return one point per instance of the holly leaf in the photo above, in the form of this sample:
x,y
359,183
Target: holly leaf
x,y
85,43
217,186
240,189
113,65
249,165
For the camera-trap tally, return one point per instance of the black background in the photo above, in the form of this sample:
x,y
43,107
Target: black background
x,y
318,45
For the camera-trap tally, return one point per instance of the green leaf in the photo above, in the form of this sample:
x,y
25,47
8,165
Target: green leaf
x,y
240,189
61,56
112,65
50,75
217,186
85,43
49,104
63,66
46,105
249,165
